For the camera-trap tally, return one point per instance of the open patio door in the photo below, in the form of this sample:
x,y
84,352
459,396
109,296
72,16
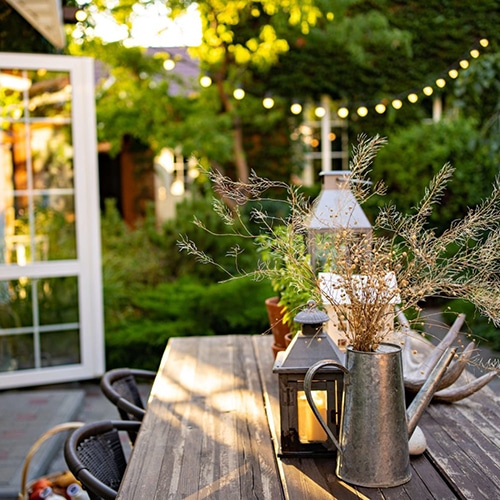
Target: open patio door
x,y
51,318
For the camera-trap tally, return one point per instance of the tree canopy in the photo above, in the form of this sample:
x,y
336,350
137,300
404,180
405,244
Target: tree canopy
x,y
357,52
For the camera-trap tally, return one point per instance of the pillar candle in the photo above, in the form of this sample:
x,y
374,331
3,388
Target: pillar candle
x,y
310,430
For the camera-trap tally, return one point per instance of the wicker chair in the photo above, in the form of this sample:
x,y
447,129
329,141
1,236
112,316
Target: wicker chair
x,y
120,387
95,455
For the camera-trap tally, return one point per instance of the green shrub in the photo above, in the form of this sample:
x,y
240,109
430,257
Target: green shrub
x,y
184,308
481,330
414,155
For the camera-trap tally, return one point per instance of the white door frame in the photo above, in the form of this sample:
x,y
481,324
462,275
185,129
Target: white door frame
x,y
87,266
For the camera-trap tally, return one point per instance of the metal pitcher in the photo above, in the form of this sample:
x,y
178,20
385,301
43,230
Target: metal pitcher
x,y
375,426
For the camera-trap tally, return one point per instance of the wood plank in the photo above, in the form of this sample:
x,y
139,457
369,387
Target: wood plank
x,y
463,451
429,481
205,434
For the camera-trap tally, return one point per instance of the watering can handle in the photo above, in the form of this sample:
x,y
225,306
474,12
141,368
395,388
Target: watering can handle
x,y
308,390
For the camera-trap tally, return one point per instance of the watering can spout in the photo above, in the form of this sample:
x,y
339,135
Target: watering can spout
x,y
424,396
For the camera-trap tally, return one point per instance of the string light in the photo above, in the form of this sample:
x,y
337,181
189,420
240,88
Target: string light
x,y
320,111
268,102
362,111
343,112
296,108
205,81
238,93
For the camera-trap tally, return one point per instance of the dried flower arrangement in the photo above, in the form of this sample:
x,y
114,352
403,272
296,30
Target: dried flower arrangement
x,y
402,262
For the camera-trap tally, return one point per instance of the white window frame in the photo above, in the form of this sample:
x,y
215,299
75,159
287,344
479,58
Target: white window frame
x,y
87,266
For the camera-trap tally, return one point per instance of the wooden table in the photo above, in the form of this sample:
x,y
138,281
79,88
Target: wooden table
x,y
212,425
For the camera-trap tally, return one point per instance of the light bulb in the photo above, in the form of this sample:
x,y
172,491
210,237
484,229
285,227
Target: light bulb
x,y
238,93
440,82
380,108
296,108
413,98
428,90
474,53
268,102
464,64
453,73
320,111
343,112
205,81
362,111
397,104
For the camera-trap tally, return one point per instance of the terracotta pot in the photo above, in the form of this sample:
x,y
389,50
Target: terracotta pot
x,y
275,315
277,349
288,338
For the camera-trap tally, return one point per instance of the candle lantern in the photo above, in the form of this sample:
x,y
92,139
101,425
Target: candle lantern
x,y
301,433
335,209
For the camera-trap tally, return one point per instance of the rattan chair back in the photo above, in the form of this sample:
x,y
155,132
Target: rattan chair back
x,y
120,388
94,454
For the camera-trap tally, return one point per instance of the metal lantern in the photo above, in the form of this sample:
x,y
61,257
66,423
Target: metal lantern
x,y
301,433
334,210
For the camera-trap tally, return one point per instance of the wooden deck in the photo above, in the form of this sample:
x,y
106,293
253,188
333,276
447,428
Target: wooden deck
x,y
211,431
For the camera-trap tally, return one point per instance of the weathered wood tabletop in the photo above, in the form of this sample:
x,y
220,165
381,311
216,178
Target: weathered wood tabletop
x,y
211,431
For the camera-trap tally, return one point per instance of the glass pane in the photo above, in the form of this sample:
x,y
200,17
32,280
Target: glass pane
x,y
51,156
16,352
55,229
13,84
60,348
16,303
58,300
13,157
49,94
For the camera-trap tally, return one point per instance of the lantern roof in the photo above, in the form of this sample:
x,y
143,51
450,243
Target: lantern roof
x,y
311,315
304,351
336,207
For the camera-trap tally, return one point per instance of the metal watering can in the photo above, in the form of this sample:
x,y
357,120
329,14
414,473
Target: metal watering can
x,y
375,425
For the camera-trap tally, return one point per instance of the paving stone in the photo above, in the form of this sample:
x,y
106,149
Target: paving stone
x,y
25,416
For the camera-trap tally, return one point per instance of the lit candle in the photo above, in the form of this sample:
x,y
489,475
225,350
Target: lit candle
x,y
310,430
